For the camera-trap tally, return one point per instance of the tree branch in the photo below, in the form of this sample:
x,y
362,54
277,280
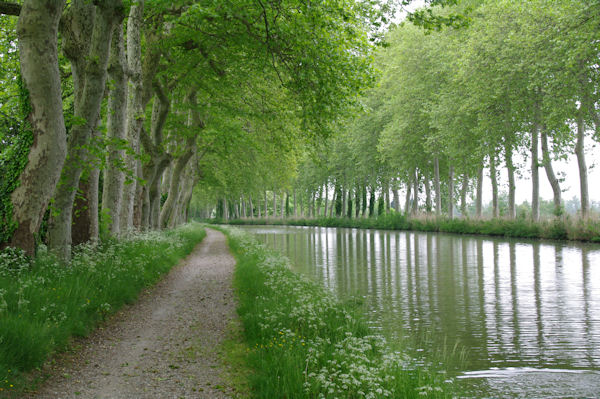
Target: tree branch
x,y
7,8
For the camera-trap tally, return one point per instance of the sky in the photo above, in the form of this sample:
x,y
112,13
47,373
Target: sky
x,y
570,186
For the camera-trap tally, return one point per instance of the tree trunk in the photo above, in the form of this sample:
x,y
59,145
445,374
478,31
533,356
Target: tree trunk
x,y
438,186
326,200
415,204
349,203
451,191
333,202
266,206
479,194
274,204
396,199
89,66
551,175
357,197
85,208
463,195
535,178
427,196
319,202
116,121
494,180
258,207
135,110
583,176
283,205
251,207
407,198
512,187
37,30
154,191
344,200
364,200
296,205
167,212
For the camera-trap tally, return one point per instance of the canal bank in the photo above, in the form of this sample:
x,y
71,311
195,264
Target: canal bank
x,y
563,229
526,312
304,343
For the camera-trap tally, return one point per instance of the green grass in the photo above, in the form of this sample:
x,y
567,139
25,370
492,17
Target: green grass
x,y
304,343
565,228
44,303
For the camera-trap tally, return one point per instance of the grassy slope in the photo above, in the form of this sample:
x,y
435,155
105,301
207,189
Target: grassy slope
x,y
303,343
44,303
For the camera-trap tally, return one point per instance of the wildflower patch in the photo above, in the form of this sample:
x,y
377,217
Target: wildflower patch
x,y
303,343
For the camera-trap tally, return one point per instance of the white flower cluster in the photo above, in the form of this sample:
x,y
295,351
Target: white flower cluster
x,y
33,287
340,362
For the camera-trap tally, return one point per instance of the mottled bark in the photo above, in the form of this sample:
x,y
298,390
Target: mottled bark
x,y
535,177
428,206
167,213
85,209
159,159
37,30
135,110
583,176
114,177
551,175
89,66
396,200
437,186
274,204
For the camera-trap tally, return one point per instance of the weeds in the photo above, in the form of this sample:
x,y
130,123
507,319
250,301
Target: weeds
x,y
43,303
303,343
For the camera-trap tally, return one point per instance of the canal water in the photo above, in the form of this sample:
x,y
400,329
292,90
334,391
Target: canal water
x,y
525,315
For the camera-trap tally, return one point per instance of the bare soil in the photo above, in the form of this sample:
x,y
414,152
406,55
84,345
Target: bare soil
x,y
164,346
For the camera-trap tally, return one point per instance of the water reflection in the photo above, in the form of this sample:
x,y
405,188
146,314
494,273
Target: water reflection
x,y
514,305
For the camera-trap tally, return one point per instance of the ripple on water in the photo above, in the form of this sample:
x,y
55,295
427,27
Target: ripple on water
x,y
528,382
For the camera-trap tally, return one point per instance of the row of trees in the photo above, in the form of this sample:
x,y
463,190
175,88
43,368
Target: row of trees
x,y
119,108
521,78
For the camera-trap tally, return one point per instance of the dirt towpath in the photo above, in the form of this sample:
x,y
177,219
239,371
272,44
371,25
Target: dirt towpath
x,y
164,346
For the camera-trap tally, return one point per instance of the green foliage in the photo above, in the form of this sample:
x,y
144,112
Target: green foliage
x,y
303,343
43,303
15,141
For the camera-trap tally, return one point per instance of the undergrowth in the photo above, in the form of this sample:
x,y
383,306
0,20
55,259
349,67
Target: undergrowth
x,y
44,303
564,228
303,343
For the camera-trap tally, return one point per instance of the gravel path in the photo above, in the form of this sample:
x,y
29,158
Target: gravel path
x,y
164,346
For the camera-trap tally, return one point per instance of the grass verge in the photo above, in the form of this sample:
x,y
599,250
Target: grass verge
x,y
303,343
565,228
44,303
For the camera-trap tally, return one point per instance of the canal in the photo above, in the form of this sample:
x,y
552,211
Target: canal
x,y
523,315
